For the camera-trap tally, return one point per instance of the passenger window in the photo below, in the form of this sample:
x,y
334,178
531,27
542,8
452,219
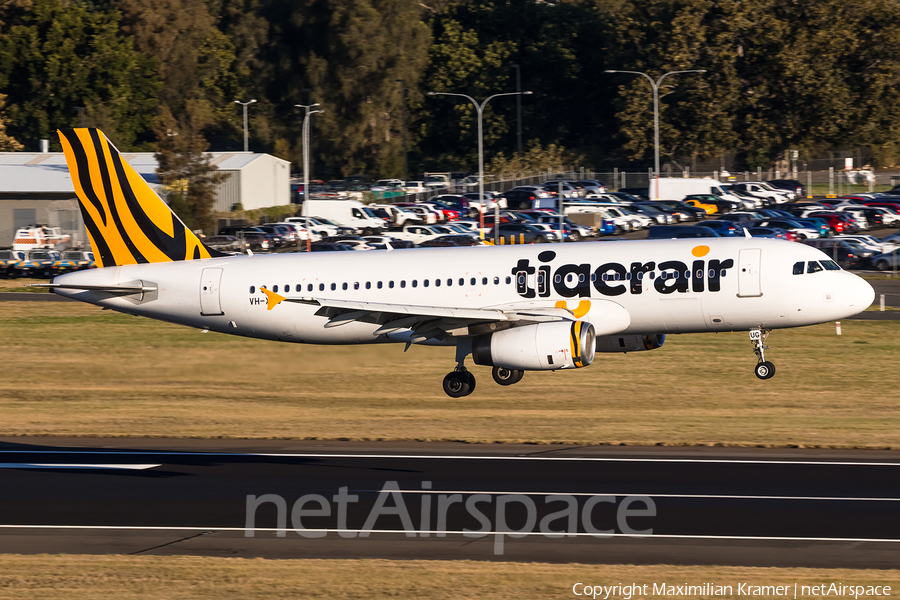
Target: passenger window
x,y
449,281
813,267
437,283
508,280
275,287
309,288
403,283
379,285
484,280
415,283
712,273
462,281
593,277
722,273
356,285
473,281
687,274
558,278
830,265
321,287
344,286
368,285
496,281
391,284
798,267
252,289
287,288
333,286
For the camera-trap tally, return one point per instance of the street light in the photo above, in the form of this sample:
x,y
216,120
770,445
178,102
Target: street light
x,y
305,145
655,86
480,109
245,104
402,82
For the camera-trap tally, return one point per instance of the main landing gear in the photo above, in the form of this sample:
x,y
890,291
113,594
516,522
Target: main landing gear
x,y
505,376
764,369
460,382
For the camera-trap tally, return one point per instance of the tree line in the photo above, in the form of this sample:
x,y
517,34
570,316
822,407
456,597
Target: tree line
x,y
780,74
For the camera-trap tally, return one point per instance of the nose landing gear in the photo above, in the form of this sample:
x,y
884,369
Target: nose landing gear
x,y
764,369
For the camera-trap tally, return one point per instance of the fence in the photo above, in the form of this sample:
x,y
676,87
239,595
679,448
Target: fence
x,y
818,183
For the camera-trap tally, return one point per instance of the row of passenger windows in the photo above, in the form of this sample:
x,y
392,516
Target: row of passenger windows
x,y
570,278
380,284
815,266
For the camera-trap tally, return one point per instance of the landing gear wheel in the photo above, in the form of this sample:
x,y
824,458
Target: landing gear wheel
x,y
765,370
505,376
471,381
456,384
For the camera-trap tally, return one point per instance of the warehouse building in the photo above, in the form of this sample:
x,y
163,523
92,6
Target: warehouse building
x,y
35,187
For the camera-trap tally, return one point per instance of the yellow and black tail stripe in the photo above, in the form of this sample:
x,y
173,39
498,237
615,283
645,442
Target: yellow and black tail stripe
x,y
126,221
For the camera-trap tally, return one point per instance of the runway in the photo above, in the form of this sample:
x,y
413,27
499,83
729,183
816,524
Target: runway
x,y
281,499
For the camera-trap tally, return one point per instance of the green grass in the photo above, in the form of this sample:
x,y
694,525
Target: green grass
x,y
72,369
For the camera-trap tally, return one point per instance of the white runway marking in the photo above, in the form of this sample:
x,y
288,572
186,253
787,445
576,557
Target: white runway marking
x,y
469,457
77,466
470,534
618,494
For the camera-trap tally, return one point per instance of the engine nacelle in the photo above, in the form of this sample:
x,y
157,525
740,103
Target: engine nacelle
x,y
629,343
538,347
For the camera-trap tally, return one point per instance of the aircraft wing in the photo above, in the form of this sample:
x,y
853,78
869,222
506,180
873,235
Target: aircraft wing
x,y
425,321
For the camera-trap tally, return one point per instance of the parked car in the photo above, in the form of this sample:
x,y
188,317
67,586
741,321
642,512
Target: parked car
x,y
523,233
224,243
36,263
665,232
844,252
791,185
8,260
803,232
773,232
723,228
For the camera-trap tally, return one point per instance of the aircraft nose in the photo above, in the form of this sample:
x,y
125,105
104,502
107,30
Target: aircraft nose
x,y
860,293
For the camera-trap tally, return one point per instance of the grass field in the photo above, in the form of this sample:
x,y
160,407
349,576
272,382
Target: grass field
x,y
72,369
130,577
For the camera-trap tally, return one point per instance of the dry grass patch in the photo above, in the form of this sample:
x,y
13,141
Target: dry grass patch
x,y
72,369
125,577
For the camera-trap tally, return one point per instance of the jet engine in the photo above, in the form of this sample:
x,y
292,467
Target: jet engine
x,y
538,347
629,343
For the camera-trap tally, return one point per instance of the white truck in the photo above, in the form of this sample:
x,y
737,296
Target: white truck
x,y
417,233
676,188
351,213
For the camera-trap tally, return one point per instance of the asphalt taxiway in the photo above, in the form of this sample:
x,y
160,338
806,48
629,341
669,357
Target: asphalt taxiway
x,y
289,499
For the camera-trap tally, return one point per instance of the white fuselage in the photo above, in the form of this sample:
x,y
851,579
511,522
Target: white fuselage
x,y
732,284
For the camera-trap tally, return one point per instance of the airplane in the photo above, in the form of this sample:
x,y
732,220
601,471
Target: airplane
x,y
512,308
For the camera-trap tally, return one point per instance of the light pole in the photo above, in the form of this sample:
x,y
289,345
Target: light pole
x,y
305,146
245,105
518,111
480,109
402,82
655,86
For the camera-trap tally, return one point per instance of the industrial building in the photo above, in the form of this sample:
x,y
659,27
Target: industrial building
x,y
35,187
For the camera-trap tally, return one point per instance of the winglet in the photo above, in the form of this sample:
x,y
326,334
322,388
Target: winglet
x,y
273,299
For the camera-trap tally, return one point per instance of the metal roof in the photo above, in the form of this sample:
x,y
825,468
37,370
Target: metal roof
x,y
36,172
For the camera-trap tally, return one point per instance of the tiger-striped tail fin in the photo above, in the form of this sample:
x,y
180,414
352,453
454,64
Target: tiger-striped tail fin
x,y
127,223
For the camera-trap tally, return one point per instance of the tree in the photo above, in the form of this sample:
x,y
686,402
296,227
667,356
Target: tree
x,y
184,169
350,53
60,55
7,142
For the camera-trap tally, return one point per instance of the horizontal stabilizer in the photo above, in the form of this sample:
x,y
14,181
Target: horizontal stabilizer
x,y
111,289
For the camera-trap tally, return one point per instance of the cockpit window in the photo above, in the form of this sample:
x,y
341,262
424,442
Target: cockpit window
x,y
799,267
830,265
813,267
